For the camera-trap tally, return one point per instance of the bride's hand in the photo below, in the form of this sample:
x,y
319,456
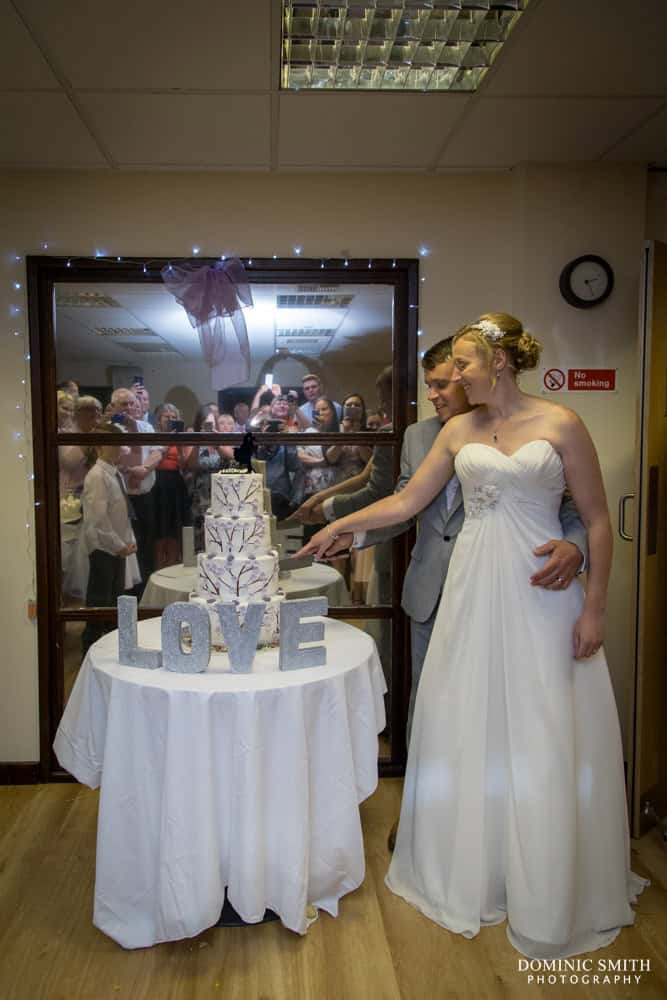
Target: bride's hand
x,y
320,544
588,634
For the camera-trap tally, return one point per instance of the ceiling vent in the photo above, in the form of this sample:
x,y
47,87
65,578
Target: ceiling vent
x,y
124,331
313,348
160,348
313,300
305,332
95,300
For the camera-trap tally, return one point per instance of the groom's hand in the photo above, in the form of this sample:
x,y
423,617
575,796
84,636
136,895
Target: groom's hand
x,y
561,567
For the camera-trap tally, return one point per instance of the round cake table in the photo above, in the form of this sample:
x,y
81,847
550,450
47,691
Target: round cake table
x,y
174,583
246,781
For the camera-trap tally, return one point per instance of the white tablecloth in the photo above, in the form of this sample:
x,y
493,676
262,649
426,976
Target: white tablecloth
x,y
250,781
174,583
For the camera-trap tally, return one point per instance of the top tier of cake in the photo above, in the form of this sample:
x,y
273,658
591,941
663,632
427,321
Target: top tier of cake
x,y
236,492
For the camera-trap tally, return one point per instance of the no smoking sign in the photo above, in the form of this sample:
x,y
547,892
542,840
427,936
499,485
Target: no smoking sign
x,y
579,380
554,380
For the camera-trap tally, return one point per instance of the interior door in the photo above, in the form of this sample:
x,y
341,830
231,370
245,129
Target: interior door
x,y
649,758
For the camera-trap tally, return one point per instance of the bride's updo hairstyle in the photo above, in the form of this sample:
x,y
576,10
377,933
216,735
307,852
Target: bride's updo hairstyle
x,y
493,330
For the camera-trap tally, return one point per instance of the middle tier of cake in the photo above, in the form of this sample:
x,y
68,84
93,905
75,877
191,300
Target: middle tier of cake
x,y
242,577
237,534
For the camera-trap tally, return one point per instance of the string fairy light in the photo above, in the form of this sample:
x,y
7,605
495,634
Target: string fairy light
x,y
22,436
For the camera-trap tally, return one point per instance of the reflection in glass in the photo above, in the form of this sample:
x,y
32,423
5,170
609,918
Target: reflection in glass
x,y
72,655
306,341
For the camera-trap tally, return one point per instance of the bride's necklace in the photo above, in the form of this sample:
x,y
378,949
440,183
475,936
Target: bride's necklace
x,y
494,433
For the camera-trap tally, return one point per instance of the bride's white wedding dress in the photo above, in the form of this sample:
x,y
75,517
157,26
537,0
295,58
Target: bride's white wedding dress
x,y
514,799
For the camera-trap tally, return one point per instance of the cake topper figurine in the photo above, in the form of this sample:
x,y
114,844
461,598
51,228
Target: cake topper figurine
x,y
243,454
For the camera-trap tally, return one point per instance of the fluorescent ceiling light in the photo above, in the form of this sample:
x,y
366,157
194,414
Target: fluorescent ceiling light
x,y
393,44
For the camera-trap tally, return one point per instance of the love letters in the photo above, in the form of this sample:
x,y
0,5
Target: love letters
x,y
241,639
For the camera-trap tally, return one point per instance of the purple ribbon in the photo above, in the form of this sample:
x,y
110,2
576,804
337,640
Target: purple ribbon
x,y
214,296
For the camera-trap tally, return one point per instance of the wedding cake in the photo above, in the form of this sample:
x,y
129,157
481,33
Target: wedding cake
x,y
239,564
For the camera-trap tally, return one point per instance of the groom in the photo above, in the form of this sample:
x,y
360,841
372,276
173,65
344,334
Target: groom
x,y
440,522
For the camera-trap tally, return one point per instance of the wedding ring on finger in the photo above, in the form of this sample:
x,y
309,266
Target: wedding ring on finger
x,y
560,579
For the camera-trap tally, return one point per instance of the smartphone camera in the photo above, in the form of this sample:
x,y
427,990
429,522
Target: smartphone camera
x,y
118,418
176,425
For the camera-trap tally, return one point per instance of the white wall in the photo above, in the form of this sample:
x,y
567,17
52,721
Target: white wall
x,y
497,241
559,214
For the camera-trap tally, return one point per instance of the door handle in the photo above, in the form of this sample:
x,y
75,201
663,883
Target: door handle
x,y
621,516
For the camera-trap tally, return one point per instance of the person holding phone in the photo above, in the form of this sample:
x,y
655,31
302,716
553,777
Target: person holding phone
x,y
313,389
350,459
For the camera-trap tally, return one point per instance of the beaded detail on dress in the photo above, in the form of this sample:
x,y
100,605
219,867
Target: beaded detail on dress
x,y
481,500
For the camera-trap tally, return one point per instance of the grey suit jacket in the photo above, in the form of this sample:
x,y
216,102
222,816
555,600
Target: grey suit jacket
x,y
438,528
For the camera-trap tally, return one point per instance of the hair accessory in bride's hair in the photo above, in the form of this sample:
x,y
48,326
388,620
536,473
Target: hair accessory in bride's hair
x,y
488,329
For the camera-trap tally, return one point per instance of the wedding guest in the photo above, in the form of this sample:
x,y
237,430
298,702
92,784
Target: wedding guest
x,y
375,482
284,477
72,458
65,411
74,462
296,421
139,472
373,420
143,397
241,413
318,472
227,425
170,494
313,390
107,533
514,810
201,463
260,409
204,416
70,387
350,459
87,413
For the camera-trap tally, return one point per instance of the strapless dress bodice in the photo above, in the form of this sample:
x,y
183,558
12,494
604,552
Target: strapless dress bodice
x,y
491,480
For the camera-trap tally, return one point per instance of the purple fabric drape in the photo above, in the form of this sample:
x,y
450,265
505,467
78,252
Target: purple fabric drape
x,y
214,296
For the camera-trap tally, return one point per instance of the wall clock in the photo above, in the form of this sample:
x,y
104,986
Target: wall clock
x,y
586,281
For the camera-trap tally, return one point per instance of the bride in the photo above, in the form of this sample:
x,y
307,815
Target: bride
x,y
514,800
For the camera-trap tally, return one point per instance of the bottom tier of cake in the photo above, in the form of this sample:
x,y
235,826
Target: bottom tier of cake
x,y
270,632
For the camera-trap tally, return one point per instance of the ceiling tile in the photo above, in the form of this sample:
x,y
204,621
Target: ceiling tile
x,y
22,66
591,47
44,130
647,145
503,132
157,45
379,130
182,130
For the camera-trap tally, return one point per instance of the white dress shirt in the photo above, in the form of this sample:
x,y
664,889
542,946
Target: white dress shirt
x,y
106,522
140,487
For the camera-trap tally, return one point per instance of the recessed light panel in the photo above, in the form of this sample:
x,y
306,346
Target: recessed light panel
x,y
393,44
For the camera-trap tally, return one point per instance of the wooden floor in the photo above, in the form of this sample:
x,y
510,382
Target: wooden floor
x,y
379,947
